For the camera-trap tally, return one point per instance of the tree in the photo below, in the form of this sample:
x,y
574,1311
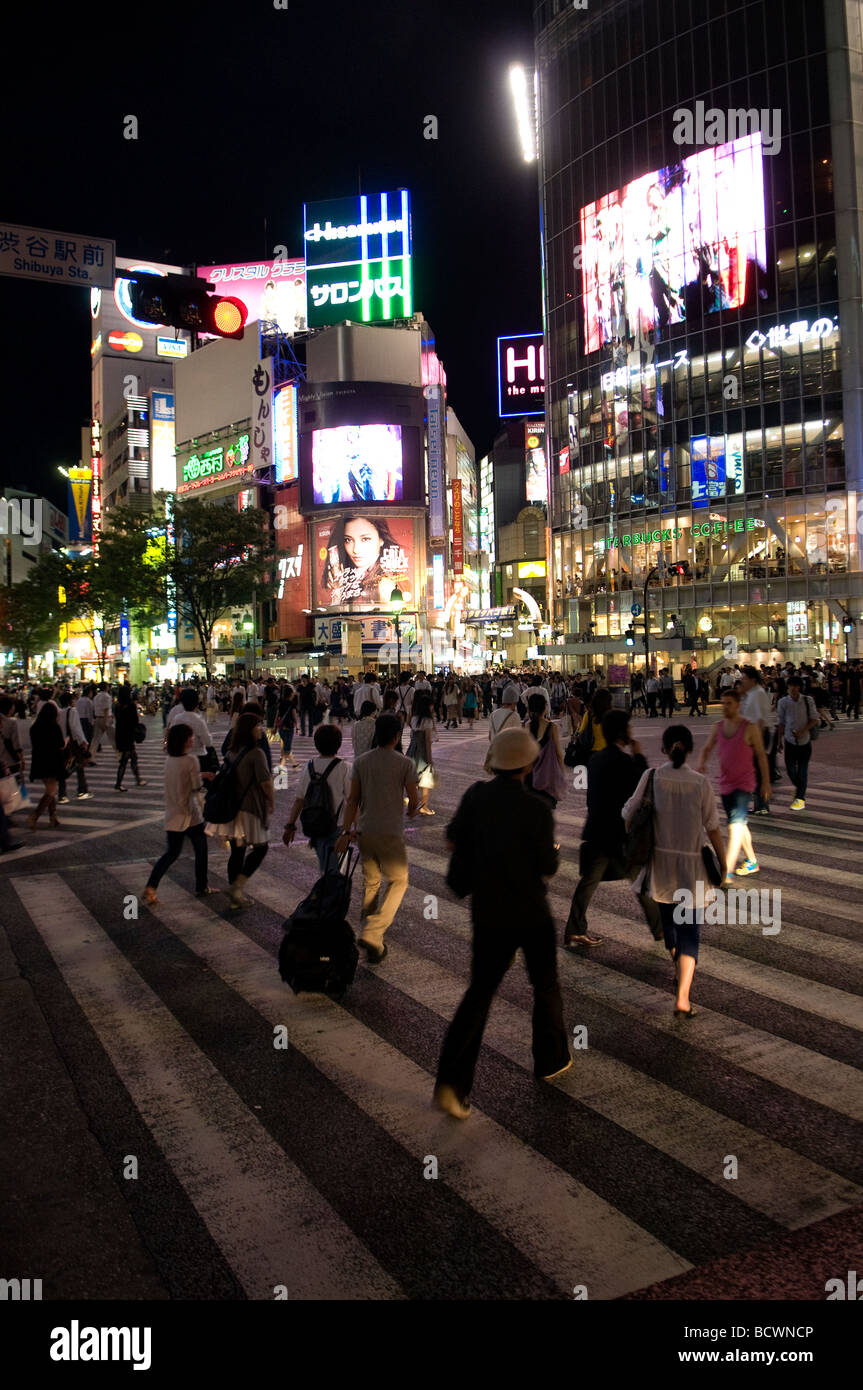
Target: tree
x,y
212,559
30,615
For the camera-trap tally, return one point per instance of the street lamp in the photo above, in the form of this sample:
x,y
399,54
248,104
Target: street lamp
x,y
397,603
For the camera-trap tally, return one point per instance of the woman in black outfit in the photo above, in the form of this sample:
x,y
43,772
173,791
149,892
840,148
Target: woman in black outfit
x,y
126,720
47,760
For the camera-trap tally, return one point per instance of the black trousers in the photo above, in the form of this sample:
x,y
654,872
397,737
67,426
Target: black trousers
x,y
307,719
494,950
128,755
797,764
594,865
175,845
651,705
241,862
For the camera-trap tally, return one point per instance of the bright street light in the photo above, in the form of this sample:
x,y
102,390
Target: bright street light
x,y
524,111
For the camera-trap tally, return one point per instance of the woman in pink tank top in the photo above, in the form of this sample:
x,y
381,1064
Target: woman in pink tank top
x,y
740,749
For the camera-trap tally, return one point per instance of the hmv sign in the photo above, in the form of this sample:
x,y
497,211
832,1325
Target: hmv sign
x,y
521,375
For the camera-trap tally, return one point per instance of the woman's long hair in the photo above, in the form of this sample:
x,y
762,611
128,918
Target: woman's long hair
x,y
244,732
600,705
422,706
536,707
47,716
337,538
677,743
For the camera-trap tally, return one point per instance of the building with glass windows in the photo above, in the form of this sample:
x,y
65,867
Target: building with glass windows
x,y
702,232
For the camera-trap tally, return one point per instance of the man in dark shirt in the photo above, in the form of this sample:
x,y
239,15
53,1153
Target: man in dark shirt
x,y
504,834
614,774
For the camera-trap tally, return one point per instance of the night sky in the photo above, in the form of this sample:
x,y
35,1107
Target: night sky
x,y
244,113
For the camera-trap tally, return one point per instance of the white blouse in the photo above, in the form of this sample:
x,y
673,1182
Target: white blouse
x,y
685,811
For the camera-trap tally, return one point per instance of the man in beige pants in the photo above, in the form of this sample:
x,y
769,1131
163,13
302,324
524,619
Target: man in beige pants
x,y
381,780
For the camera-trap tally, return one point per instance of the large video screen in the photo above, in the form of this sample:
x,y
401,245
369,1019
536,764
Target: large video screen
x,y
357,463
674,245
360,558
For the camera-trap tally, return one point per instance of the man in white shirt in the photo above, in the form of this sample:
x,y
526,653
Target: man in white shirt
x,y
405,700
104,718
86,713
756,707
505,716
421,684
186,712
368,689
328,741
70,727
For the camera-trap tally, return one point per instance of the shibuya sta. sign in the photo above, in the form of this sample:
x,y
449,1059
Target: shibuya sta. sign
x,y
669,533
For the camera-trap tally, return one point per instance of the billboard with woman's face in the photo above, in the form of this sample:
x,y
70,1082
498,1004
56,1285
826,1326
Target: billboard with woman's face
x,y
360,557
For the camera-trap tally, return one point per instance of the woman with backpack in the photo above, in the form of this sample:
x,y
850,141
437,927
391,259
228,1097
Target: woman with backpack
x,y
547,777
322,791
252,800
126,722
684,814
420,749
183,816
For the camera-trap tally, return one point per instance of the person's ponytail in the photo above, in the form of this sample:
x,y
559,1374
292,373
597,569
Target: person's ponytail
x,y
678,754
677,743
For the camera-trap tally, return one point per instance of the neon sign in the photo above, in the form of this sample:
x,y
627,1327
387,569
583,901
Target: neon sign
x,y
668,533
201,468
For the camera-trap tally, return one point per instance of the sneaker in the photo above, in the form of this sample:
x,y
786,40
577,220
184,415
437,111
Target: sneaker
x,y
446,1099
751,866
763,812
552,1074
13,844
62,801
374,954
85,796
797,804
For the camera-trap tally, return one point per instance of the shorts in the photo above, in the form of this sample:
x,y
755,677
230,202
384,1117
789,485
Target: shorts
x,y
736,806
682,938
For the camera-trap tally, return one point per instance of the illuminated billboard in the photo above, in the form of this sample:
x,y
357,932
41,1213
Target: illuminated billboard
x,y
359,558
717,468
520,375
163,467
536,480
358,259
674,245
285,441
361,442
273,291
357,463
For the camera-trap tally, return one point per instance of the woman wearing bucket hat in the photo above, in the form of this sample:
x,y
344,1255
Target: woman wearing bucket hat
x,y
502,837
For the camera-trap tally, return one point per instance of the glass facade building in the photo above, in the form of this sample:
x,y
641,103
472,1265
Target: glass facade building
x,y
700,172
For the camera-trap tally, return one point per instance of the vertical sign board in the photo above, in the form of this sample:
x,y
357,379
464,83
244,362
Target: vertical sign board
x,y
457,529
163,467
520,375
437,531
286,445
262,415
80,486
438,580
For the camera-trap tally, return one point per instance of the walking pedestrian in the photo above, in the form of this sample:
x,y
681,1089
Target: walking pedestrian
x,y
614,775
684,813
420,750
46,761
450,700
502,838
382,778
336,773
797,717
546,778
363,732
286,723
651,690
76,755
126,721
757,708
737,740
247,833
102,710
183,816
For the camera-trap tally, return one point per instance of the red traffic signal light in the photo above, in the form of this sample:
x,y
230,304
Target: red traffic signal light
x,y
182,301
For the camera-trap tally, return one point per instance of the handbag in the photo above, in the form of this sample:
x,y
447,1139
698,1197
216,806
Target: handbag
x,y
140,732
548,775
641,837
711,865
209,761
10,794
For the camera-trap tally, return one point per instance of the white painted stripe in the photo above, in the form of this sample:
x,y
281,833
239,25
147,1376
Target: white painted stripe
x,y
271,1224
558,1223
64,842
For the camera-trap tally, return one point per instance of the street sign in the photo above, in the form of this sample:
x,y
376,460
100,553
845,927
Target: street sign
x,y
635,610
34,254
729,646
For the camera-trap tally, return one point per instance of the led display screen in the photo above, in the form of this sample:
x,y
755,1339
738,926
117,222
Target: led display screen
x,y
359,558
357,463
674,245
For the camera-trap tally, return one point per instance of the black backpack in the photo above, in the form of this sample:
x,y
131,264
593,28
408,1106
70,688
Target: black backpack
x,y
318,816
223,799
319,951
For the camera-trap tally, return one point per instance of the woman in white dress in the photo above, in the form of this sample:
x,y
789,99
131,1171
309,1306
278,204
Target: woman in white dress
x,y
247,833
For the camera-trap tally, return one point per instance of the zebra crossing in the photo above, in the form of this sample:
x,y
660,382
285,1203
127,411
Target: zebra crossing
x,y
320,1167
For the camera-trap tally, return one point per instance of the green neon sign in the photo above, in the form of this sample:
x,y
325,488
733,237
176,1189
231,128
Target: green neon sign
x,y
215,461
669,533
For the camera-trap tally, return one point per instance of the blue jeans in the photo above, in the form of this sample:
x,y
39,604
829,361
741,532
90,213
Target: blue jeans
x,y
322,850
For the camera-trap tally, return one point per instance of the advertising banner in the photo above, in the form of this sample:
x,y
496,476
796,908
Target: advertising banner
x,y
357,463
274,292
436,464
536,479
457,528
80,506
361,443
163,466
285,441
359,559
261,414
520,374
358,259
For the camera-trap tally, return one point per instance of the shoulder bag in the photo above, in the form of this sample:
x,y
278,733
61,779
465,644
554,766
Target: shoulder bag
x,y
641,836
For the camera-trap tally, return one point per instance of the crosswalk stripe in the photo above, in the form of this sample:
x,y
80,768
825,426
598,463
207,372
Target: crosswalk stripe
x,y
556,1221
270,1222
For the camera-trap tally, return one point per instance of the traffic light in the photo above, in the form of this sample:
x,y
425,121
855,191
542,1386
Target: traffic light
x,y
630,636
676,569
847,626
183,301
